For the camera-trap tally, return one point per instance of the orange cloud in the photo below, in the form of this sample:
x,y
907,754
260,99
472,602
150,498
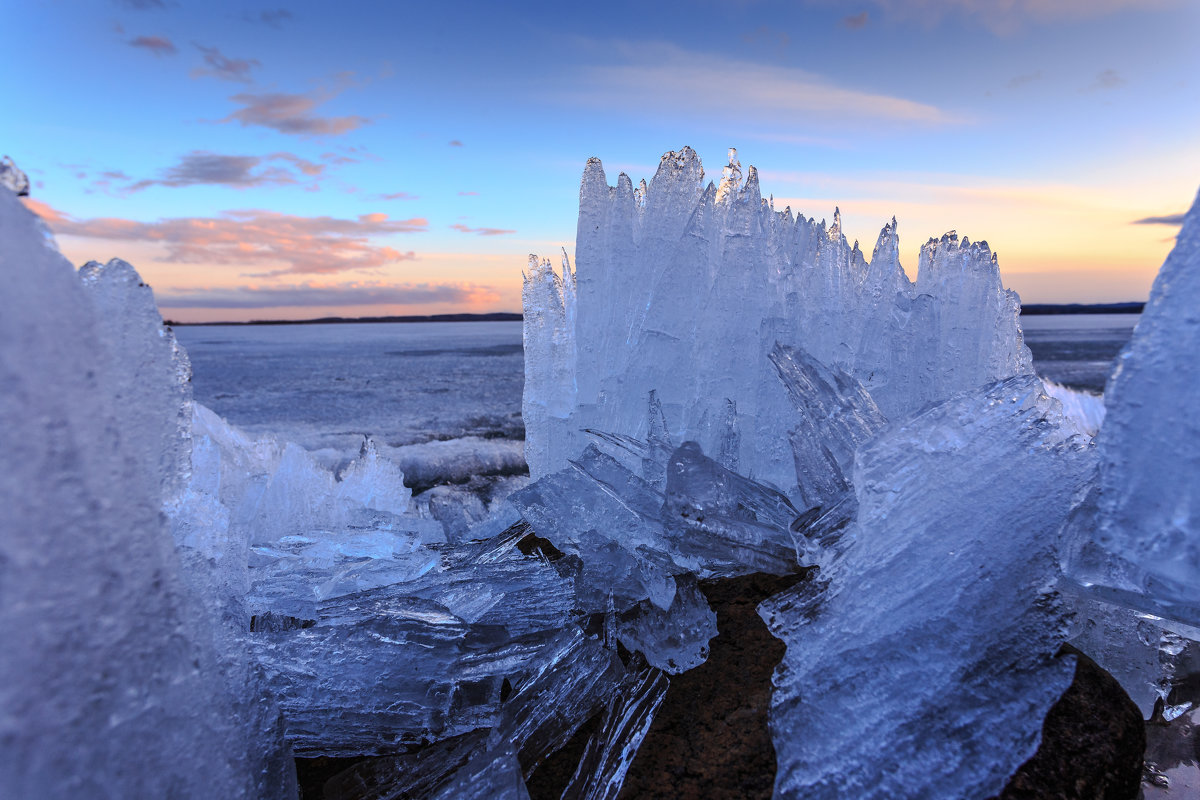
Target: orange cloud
x,y
320,295
314,245
49,214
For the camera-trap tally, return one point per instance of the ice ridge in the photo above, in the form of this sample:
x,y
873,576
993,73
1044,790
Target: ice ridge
x,y
683,289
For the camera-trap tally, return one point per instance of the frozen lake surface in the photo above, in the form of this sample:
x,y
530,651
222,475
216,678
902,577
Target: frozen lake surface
x,y
1077,350
404,383
327,386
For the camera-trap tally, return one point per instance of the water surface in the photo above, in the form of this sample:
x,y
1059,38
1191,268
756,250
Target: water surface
x,y
330,385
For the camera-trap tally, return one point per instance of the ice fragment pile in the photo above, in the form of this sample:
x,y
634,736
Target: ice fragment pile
x,y
719,390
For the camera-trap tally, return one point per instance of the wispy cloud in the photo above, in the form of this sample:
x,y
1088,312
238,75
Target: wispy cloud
x,y
201,167
481,231
468,194
856,22
677,81
1006,16
1169,219
1106,79
275,18
292,114
158,45
455,143
396,196
141,5
106,179
223,67
764,34
341,294
254,239
1018,81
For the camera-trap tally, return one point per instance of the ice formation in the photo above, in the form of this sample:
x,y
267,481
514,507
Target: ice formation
x,y
683,289
1084,411
1149,513
945,587
719,390
12,178
111,684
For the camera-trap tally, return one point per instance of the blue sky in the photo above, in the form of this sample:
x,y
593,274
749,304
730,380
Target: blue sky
x,y
299,160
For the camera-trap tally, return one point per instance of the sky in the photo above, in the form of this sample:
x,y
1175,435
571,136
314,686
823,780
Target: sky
x,y
300,160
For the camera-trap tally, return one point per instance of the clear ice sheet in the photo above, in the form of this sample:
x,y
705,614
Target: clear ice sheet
x,y
920,663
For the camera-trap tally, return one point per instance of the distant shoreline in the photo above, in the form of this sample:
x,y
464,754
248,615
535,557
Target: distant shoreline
x,y
1032,309
499,316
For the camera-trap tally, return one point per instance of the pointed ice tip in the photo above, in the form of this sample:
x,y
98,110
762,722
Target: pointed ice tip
x,y
12,178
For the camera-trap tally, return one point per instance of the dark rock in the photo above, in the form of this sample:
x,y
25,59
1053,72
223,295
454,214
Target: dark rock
x,y
1092,745
710,737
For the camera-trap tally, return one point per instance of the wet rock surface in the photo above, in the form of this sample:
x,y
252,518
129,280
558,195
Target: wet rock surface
x,y
710,737
1092,743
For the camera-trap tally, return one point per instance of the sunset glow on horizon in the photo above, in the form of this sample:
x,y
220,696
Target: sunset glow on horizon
x,y
391,159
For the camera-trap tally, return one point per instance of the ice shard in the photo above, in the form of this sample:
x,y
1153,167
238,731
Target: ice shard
x,y
111,684
683,289
609,753
675,639
421,658
150,369
1149,515
720,524
548,301
835,414
12,178
921,663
